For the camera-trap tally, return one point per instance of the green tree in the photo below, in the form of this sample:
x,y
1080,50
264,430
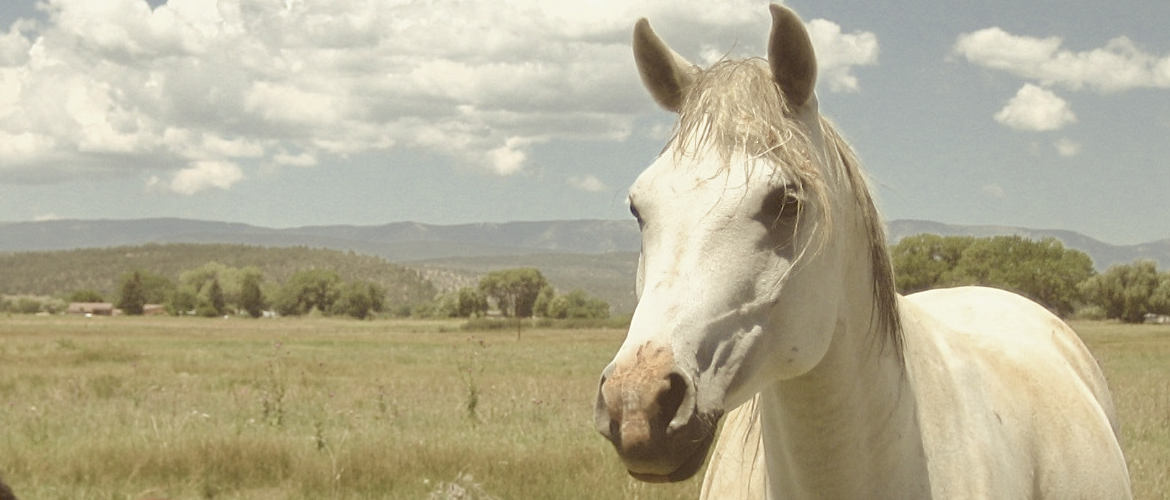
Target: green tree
x,y
558,307
1160,300
232,279
251,297
231,282
359,299
377,295
577,305
201,276
513,290
24,305
470,302
307,290
156,288
465,302
86,295
444,305
926,261
185,300
211,300
543,299
1044,271
441,306
353,300
131,294
1129,291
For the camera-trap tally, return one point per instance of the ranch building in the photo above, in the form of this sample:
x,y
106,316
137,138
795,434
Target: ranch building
x,y
92,308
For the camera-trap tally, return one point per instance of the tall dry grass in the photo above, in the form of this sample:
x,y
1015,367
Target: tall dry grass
x,y
127,408
1136,360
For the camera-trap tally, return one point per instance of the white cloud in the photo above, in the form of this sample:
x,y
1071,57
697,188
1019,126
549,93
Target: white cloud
x,y
993,190
838,53
588,183
1119,65
509,158
14,45
658,130
1036,109
287,104
200,176
1067,147
208,89
297,160
25,146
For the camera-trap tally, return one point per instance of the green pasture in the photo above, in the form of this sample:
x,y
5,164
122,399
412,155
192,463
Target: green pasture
x,y
181,408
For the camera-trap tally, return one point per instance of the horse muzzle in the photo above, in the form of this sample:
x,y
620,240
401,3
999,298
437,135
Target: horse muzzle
x,y
647,408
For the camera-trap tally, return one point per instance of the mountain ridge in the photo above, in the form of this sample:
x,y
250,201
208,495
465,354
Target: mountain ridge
x,y
413,241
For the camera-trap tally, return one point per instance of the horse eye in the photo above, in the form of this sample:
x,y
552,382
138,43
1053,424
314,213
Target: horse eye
x,y
634,212
780,205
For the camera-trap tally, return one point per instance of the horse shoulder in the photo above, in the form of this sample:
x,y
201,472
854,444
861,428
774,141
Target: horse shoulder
x,y
1011,403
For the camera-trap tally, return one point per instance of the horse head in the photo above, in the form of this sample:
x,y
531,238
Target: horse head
x,y
738,286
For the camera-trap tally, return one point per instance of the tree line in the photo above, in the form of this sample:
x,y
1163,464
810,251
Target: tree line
x,y
514,293
216,289
1062,279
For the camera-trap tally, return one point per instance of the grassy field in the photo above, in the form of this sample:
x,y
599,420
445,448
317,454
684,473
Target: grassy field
x,y
1136,360
130,408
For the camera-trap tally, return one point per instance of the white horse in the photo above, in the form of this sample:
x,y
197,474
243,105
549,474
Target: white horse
x,y
764,279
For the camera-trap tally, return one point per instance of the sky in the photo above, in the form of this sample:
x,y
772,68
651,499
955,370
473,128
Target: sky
x,y
1042,114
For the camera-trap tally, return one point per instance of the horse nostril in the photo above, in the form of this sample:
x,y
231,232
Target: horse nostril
x,y
681,398
604,423
671,400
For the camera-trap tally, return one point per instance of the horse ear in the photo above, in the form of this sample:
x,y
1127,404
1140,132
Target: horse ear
x,y
790,53
664,73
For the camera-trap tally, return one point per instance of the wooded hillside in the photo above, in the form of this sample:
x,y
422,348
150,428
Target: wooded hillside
x,y
62,272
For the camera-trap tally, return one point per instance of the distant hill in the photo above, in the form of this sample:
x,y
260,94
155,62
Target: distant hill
x,y
598,256
397,242
411,241
65,271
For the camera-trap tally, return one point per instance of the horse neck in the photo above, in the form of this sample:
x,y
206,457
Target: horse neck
x,y
849,427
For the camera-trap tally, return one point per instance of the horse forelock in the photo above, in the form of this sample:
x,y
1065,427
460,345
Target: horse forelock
x,y
736,108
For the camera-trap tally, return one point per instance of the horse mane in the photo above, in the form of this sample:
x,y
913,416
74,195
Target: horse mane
x,y
736,107
885,292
